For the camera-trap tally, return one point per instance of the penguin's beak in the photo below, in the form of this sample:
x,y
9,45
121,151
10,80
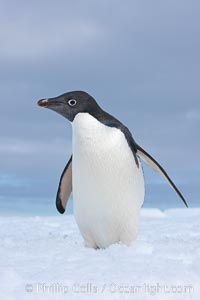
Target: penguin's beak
x,y
43,102
57,104
51,102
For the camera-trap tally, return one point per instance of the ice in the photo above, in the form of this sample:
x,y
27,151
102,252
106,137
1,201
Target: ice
x,y
44,258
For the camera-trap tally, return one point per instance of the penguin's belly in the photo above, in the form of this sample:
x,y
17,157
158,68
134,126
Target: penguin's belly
x,y
108,187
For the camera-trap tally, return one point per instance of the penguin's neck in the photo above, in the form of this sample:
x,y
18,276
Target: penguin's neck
x,y
88,132
86,126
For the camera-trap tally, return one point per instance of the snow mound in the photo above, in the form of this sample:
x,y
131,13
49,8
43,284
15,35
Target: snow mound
x,y
152,213
45,258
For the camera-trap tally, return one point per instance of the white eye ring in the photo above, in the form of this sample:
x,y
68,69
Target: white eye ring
x,y
72,102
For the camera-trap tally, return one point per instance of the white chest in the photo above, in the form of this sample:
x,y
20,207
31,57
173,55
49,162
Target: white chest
x,y
101,156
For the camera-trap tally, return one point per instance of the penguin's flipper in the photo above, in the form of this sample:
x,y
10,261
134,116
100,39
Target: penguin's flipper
x,y
64,188
151,162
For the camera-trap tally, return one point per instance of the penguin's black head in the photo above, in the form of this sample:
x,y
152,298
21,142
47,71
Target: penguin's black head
x,y
70,104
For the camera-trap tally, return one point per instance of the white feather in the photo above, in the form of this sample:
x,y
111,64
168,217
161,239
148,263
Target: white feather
x,y
108,187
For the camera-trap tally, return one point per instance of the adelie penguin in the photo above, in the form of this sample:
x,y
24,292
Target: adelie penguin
x,y
104,172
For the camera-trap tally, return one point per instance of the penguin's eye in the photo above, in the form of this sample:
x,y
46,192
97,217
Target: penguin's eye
x,y
72,102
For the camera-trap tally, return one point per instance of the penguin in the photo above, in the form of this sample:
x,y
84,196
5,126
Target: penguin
x,y
104,172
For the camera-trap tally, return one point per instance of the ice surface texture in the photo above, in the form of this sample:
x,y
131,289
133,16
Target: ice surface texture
x,y
45,258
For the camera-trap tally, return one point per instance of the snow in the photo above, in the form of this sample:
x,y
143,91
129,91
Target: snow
x,y
45,258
